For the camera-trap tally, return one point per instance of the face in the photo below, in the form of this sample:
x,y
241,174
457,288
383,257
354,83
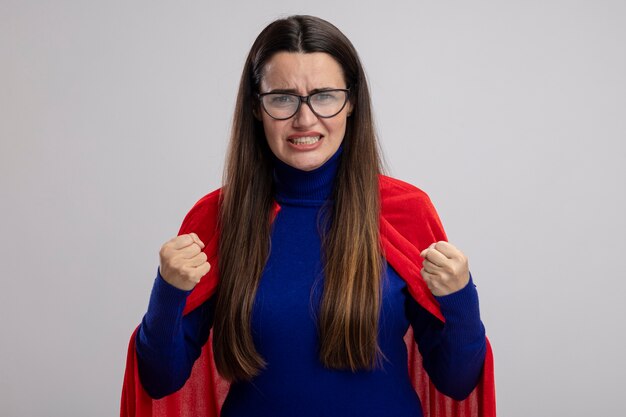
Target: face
x,y
304,141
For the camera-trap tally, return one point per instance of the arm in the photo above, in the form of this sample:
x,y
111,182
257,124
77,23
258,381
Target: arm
x,y
168,343
453,353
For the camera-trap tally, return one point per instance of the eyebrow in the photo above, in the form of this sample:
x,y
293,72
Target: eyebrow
x,y
294,91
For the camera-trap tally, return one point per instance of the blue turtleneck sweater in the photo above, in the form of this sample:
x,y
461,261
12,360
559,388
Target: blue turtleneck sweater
x,y
295,383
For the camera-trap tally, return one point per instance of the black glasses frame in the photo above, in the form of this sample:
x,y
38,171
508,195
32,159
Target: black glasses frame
x,y
306,100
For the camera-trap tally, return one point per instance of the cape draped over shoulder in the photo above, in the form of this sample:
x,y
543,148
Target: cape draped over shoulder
x,y
408,224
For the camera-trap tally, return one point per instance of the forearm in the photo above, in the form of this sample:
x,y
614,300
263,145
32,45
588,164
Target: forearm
x,y
453,352
167,344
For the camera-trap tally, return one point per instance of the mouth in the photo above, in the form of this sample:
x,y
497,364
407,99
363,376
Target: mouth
x,y
304,140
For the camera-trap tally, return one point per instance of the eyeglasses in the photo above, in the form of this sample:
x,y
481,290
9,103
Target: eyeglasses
x,y
325,103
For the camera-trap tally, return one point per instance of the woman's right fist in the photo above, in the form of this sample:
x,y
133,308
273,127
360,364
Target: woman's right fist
x,y
182,262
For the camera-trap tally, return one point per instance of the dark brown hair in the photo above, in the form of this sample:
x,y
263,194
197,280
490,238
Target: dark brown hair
x,y
349,310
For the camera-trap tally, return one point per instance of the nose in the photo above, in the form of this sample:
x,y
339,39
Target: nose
x,y
305,116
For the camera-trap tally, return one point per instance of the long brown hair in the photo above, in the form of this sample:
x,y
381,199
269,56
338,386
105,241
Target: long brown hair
x,y
349,309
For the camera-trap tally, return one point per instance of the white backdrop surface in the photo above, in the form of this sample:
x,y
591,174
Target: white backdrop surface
x,y
511,115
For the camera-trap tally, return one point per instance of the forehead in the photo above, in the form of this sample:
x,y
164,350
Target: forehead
x,y
302,72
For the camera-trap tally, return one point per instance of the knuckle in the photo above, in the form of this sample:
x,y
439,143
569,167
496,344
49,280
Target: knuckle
x,y
175,262
187,274
200,272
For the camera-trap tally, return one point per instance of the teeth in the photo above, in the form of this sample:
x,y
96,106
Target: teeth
x,y
308,140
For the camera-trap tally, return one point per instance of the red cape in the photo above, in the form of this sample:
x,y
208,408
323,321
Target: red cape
x,y
408,224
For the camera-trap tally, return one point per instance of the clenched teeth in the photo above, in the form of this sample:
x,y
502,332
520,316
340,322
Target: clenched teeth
x,y
307,140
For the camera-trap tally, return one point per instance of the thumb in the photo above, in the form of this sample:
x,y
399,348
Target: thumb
x,y
426,250
197,240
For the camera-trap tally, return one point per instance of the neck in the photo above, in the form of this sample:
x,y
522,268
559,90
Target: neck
x,y
293,184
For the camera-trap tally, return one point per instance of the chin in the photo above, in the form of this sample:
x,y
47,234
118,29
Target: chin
x,y
302,162
305,164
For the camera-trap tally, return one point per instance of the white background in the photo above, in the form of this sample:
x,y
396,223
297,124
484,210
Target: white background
x,y
511,115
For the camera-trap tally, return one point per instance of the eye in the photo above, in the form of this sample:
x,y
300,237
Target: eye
x,y
325,97
280,99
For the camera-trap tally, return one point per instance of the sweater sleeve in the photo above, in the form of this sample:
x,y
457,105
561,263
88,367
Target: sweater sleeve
x,y
453,353
168,343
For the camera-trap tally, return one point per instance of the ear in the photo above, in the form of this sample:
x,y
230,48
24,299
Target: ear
x,y
350,108
255,113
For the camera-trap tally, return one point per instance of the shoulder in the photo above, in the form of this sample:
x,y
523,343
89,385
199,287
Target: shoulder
x,y
202,218
400,195
408,225
394,185
409,210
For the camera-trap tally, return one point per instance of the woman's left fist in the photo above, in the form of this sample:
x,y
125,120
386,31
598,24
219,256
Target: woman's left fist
x,y
445,268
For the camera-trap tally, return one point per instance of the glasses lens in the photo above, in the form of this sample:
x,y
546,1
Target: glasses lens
x,y
324,103
280,106
328,103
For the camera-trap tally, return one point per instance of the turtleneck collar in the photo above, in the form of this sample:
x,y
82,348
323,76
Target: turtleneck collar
x,y
293,185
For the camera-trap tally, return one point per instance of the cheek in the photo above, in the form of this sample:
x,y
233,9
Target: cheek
x,y
337,126
273,131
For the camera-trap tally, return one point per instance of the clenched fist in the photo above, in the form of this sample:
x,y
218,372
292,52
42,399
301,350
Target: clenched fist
x,y
182,261
445,268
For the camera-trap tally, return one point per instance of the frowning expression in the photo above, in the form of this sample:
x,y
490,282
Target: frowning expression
x,y
304,141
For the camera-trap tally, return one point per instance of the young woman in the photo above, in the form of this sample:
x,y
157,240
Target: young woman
x,y
325,265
